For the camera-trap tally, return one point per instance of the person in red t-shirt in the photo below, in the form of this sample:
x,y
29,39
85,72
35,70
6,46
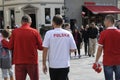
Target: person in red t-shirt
x,y
109,43
24,42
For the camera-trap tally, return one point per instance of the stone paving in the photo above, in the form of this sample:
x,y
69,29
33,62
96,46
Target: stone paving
x,y
81,69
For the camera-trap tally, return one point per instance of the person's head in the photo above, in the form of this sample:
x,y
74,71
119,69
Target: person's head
x,y
92,25
5,34
76,30
67,26
8,27
75,21
26,20
99,25
87,26
57,21
109,21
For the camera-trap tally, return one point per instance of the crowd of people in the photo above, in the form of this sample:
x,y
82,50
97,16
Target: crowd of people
x,y
20,48
87,35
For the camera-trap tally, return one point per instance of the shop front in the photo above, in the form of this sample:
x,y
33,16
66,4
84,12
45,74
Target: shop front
x,y
96,13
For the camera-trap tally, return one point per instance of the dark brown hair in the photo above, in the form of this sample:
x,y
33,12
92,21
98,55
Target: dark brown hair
x,y
5,34
58,20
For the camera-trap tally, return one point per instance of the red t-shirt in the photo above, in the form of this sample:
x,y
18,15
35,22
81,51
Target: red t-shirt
x,y
110,40
24,42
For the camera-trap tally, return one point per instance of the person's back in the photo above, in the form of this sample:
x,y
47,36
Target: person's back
x,y
57,44
111,46
59,47
92,32
25,38
109,43
24,42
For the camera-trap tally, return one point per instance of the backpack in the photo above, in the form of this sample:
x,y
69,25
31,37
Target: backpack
x,y
5,58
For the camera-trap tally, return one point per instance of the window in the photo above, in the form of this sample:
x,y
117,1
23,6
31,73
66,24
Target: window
x,y
47,16
1,20
57,11
12,18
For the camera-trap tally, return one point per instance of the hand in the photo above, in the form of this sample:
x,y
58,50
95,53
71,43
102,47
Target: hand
x,y
72,50
45,69
97,67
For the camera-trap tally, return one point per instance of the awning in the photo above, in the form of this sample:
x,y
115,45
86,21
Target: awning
x,y
103,9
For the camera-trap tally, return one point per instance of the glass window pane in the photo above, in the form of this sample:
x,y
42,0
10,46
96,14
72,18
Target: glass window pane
x,y
12,18
57,11
47,16
1,19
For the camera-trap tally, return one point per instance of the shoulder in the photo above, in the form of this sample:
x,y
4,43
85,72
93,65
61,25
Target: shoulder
x,y
35,31
66,31
118,30
104,32
49,31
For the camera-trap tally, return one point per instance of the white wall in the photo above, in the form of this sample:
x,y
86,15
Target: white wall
x,y
119,8
0,2
40,15
52,6
17,5
32,1
17,15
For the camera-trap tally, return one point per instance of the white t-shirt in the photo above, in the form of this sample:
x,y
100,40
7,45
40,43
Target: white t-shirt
x,y
59,42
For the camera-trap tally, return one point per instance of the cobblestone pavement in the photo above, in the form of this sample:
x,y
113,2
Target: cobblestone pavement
x,y
81,69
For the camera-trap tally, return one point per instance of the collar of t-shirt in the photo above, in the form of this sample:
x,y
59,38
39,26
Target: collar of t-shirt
x,y
113,27
25,25
57,29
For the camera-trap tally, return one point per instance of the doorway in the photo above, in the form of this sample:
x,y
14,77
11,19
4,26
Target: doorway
x,y
33,17
1,20
31,11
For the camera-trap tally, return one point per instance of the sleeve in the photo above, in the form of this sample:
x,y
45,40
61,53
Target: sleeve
x,y
39,41
81,38
97,31
101,39
9,44
72,42
46,42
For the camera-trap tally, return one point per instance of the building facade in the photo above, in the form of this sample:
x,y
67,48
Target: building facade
x,y
118,7
41,11
74,8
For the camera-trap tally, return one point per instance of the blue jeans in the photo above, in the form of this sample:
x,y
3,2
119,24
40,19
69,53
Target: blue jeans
x,y
109,70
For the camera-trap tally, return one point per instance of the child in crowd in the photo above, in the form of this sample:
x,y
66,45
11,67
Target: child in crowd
x,y
5,58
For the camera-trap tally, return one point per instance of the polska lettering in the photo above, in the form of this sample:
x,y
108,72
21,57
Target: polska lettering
x,y
61,35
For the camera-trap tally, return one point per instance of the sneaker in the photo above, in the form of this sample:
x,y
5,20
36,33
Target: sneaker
x,y
93,56
79,56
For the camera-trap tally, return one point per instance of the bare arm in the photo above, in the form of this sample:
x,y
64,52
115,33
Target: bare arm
x,y
44,57
99,53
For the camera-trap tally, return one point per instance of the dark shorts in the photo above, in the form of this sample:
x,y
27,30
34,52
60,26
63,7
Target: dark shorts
x,y
22,70
59,74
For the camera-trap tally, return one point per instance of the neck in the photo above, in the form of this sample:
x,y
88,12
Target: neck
x,y
25,24
111,25
57,27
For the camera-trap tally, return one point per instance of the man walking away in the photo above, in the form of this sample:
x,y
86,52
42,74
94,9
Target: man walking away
x,y
109,42
57,45
24,42
86,40
93,34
